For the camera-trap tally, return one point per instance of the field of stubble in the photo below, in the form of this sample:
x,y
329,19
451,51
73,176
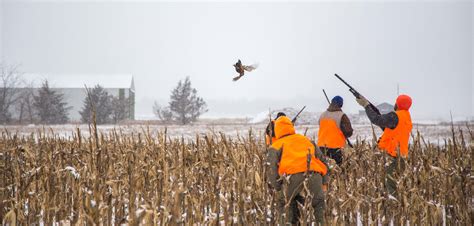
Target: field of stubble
x,y
211,174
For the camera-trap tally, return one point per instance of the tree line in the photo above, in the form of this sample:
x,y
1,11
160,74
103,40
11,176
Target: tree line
x,y
45,105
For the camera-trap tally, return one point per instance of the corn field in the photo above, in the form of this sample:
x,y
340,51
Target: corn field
x,y
116,178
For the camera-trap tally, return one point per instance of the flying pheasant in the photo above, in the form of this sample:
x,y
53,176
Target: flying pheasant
x,y
241,69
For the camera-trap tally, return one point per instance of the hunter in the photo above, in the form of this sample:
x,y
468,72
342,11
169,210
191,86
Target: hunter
x,y
396,126
334,129
295,157
270,131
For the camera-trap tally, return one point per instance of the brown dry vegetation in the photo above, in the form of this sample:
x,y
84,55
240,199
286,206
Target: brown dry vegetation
x,y
138,178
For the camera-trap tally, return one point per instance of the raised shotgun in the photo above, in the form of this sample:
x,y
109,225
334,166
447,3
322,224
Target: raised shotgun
x,y
357,94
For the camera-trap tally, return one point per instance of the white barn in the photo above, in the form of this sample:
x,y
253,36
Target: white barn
x,y
73,86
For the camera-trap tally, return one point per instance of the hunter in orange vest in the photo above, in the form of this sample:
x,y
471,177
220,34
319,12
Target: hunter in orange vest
x,y
396,126
334,128
295,156
270,131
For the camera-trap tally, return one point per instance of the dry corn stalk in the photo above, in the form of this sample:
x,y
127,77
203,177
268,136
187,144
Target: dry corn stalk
x,y
142,178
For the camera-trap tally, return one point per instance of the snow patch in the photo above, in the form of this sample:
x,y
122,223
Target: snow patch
x,y
73,171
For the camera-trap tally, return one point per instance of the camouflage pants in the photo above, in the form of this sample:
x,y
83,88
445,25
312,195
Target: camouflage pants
x,y
293,197
390,170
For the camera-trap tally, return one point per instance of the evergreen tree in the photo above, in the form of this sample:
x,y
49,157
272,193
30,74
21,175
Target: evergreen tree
x,y
101,102
184,103
50,106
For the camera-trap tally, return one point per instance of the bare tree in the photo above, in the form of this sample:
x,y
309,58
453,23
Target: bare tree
x,y
163,113
25,103
10,78
120,109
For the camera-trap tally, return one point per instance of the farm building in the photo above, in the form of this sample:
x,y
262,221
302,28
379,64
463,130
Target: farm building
x,y
73,87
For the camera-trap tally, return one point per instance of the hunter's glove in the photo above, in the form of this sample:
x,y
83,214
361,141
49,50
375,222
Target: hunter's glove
x,y
362,101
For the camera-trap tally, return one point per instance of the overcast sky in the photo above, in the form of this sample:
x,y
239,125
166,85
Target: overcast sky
x,y
425,47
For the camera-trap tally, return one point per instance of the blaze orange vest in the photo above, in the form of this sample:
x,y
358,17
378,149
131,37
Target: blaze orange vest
x,y
294,155
330,134
397,138
294,150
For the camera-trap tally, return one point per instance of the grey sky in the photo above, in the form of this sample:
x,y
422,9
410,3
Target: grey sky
x,y
426,47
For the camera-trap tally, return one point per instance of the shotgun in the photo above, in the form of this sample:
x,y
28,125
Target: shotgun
x,y
357,94
296,116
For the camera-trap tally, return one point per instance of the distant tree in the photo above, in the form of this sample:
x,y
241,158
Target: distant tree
x,y
10,78
184,104
50,106
25,104
163,113
120,109
101,102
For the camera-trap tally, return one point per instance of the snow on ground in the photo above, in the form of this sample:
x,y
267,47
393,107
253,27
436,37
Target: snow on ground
x,y
260,117
305,117
433,133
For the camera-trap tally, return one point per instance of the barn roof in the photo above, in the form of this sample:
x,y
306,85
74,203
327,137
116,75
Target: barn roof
x,y
79,80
